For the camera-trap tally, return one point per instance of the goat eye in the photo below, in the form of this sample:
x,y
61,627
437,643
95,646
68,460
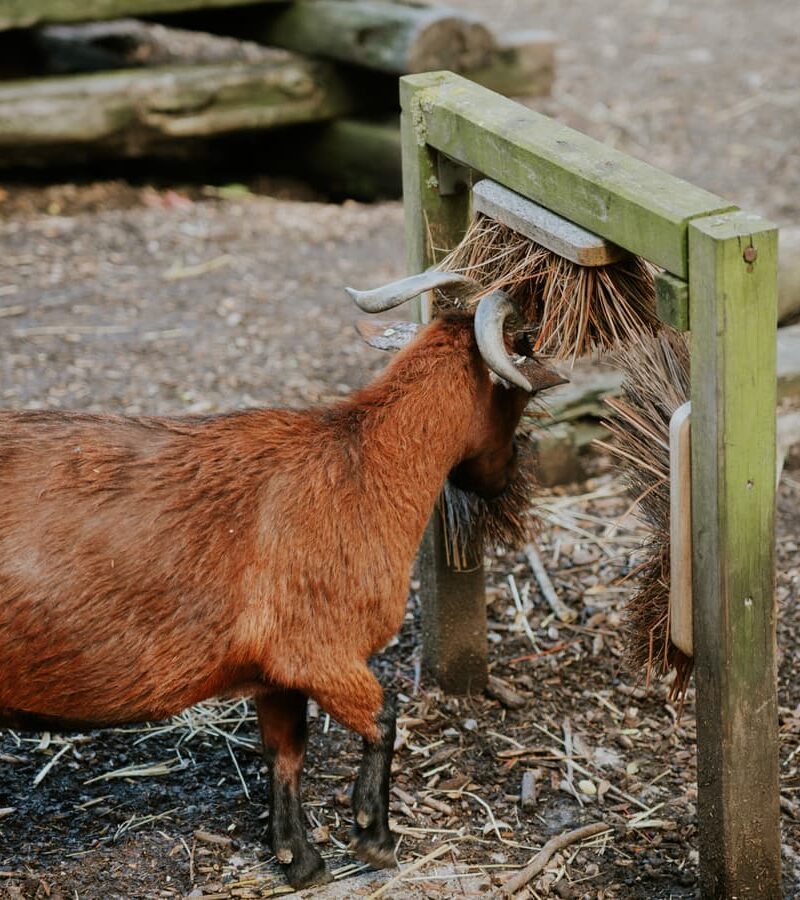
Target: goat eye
x,y
522,344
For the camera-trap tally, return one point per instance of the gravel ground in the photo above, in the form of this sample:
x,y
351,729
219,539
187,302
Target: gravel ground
x,y
166,301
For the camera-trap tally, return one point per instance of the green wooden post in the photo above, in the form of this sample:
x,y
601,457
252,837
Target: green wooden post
x,y
733,291
453,602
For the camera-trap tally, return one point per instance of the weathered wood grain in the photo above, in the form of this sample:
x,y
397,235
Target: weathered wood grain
x,y
613,195
672,300
732,287
453,602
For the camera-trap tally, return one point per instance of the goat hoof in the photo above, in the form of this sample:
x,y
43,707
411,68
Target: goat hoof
x,y
378,853
306,869
284,856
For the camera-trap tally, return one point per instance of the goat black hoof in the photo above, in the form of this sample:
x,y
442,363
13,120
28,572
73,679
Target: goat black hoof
x,y
375,849
305,868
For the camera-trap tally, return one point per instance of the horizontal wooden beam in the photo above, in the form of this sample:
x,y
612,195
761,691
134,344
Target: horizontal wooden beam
x,y
131,111
620,198
23,13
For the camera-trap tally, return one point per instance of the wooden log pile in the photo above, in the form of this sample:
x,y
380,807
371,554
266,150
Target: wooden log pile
x,y
81,79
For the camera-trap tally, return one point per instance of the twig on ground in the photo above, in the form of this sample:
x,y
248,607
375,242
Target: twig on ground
x,y
45,769
562,611
413,867
559,842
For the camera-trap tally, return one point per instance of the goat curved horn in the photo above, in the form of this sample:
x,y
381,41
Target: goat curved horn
x,y
490,316
390,295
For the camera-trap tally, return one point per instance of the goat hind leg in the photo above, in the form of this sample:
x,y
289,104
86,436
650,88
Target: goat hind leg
x,y
282,720
372,840
353,696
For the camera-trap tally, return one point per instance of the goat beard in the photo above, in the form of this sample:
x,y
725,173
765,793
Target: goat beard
x,y
471,523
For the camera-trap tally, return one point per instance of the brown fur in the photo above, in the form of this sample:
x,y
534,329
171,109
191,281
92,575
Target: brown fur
x,y
147,564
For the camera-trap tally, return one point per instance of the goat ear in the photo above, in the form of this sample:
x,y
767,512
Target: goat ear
x,y
541,376
387,335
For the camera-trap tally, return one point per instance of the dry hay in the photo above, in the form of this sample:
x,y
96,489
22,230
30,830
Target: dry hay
x,y
656,383
472,522
570,310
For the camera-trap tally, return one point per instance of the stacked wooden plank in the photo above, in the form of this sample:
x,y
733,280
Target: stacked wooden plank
x,y
87,82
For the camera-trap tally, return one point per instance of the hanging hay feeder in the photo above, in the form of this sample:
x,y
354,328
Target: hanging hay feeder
x,y
656,384
574,292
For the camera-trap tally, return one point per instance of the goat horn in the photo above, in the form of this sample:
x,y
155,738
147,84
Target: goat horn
x,y
490,316
390,295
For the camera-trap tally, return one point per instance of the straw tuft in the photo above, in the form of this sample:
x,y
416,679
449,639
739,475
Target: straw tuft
x,y
656,384
472,523
570,310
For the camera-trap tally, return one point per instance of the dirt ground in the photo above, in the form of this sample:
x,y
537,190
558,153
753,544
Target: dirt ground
x,y
183,299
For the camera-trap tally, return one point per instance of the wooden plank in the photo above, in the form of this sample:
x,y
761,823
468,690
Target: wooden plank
x,y
453,602
680,529
543,226
130,111
613,195
733,287
672,300
23,13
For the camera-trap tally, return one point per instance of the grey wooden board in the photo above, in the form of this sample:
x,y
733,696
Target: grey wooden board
x,y
543,226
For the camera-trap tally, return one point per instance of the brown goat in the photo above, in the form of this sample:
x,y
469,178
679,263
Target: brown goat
x,y
147,564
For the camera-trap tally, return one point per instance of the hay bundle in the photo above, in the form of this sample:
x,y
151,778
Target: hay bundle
x,y
472,523
570,310
656,383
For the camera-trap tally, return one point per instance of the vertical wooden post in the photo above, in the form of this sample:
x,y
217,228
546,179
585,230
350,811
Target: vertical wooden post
x,y
453,602
733,290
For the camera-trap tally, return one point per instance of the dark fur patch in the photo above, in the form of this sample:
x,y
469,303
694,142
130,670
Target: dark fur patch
x,y
507,520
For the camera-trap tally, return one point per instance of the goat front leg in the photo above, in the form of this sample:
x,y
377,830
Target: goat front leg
x,y
282,720
355,699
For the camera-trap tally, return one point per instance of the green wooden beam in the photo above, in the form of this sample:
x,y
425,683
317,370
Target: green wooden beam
x,y
733,290
23,13
453,602
620,198
672,300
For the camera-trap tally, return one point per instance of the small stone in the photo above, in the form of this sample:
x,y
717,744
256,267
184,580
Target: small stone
x,y
587,787
470,724
528,790
500,691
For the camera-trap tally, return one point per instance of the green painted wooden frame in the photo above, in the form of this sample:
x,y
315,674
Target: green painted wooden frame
x,y
721,277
